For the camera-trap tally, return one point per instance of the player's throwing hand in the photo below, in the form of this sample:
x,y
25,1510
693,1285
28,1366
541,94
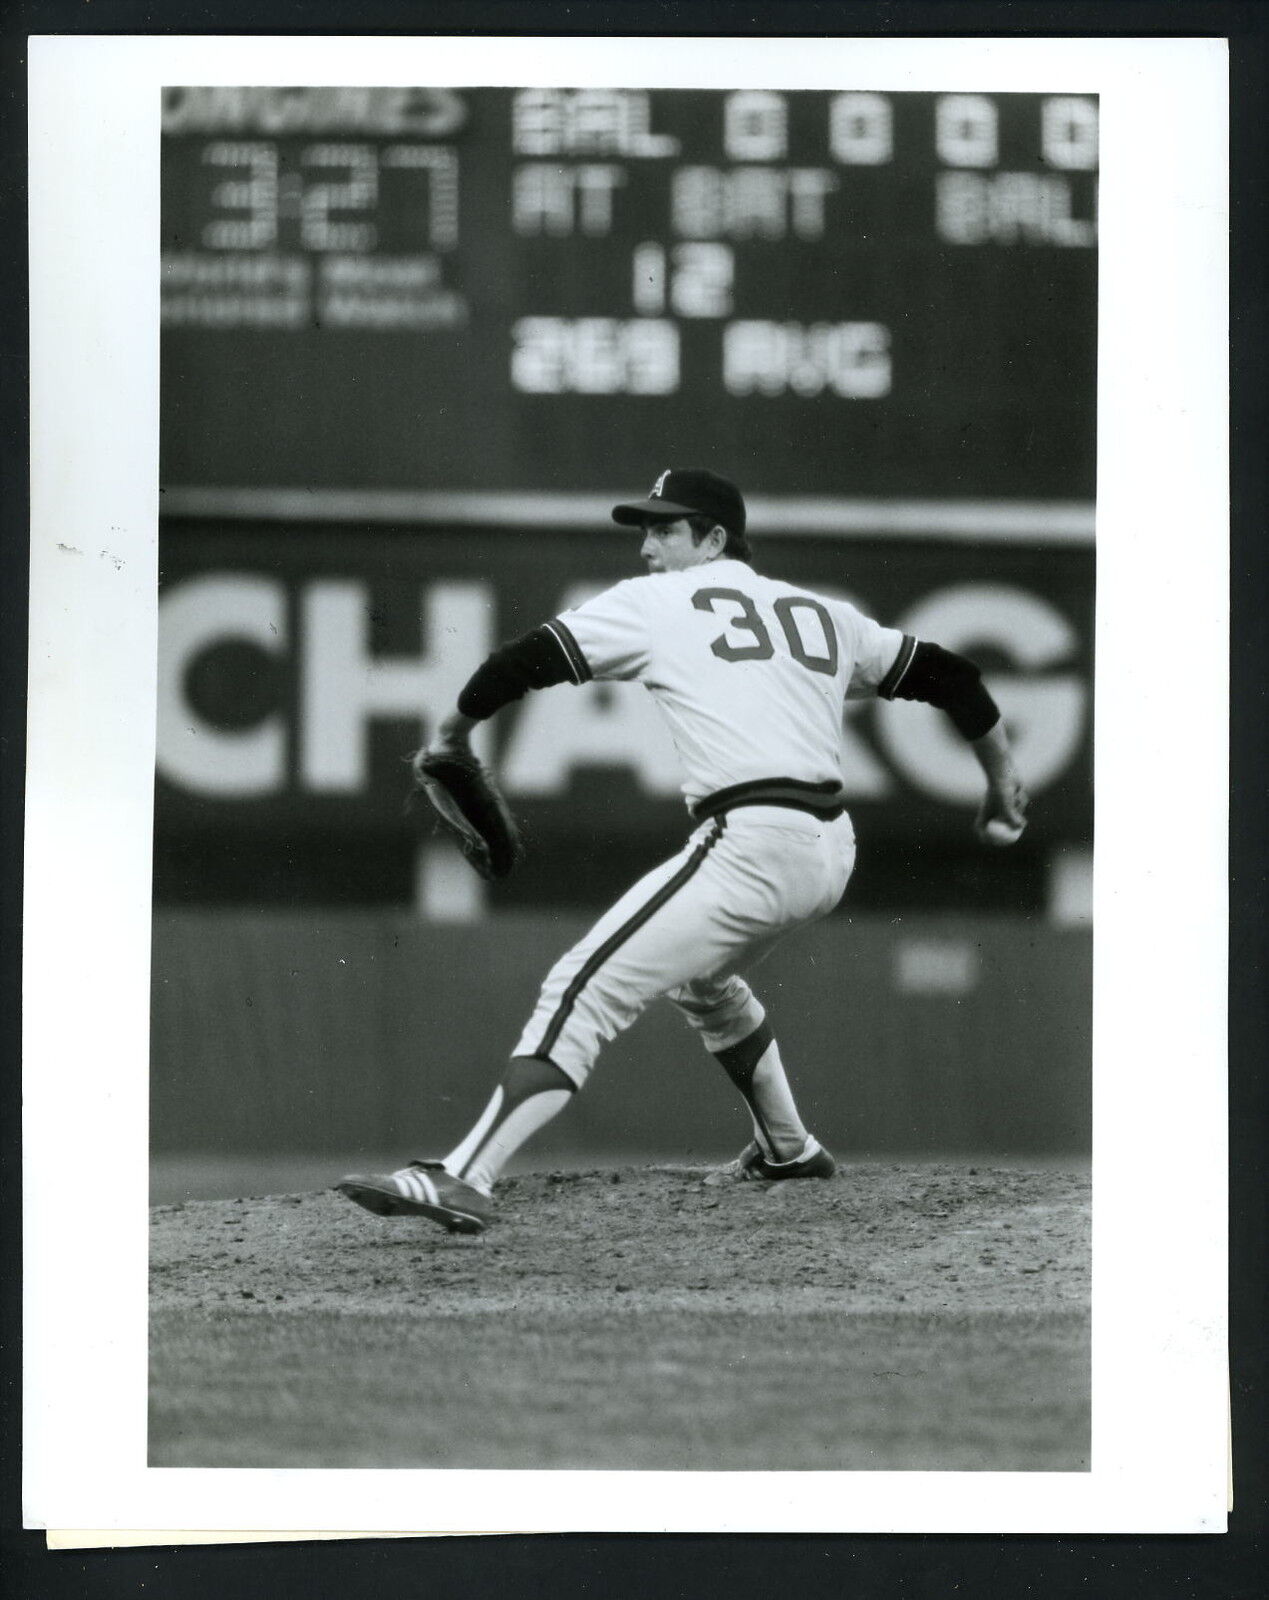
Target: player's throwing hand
x,y
1002,814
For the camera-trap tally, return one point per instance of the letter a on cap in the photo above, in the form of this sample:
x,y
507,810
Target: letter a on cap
x,y
659,486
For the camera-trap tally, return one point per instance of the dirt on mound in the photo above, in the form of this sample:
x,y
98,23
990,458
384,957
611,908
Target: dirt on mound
x,y
892,1318
929,1238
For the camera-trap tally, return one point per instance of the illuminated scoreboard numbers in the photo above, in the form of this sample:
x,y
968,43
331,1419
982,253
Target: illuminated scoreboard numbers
x,y
357,192
333,192
755,125
1068,132
595,355
253,194
439,166
692,280
861,129
967,131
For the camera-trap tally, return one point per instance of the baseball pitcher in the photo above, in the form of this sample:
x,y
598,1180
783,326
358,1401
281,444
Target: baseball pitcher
x,y
751,675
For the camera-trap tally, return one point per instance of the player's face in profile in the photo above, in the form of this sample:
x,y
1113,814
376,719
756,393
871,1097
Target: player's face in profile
x,y
670,546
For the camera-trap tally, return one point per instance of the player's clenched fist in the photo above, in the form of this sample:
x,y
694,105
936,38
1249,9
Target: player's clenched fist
x,y
1003,813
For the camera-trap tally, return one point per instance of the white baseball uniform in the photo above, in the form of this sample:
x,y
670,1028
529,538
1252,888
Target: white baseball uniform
x,y
750,674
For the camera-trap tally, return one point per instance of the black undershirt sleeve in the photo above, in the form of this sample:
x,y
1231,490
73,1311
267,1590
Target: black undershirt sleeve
x,y
942,678
536,660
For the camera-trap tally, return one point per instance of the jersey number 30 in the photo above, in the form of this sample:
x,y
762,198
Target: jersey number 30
x,y
757,645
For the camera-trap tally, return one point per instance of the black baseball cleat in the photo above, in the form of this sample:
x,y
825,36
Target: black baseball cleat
x,y
423,1189
752,1166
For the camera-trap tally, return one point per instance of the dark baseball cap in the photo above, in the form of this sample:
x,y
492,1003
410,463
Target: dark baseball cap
x,y
689,492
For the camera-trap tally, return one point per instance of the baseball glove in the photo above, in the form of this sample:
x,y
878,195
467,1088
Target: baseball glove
x,y
468,804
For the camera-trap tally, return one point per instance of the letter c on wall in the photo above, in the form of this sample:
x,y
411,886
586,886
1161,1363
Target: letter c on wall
x,y
191,752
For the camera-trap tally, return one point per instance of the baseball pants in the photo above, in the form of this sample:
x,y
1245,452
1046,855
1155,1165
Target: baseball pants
x,y
740,883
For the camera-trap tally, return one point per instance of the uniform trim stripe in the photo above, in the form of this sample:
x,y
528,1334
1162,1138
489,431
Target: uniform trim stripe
x,y
415,1185
889,685
578,664
631,926
515,1128
459,1157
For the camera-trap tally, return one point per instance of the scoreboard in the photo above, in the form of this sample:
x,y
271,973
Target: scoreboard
x,y
829,294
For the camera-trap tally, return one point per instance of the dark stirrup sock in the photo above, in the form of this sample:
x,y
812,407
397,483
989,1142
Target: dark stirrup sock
x,y
754,1066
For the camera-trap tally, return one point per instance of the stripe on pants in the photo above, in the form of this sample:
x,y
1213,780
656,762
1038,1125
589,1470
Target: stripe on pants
x,y
631,926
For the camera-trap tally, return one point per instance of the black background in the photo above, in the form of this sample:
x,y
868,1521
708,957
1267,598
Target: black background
x,y
1223,1568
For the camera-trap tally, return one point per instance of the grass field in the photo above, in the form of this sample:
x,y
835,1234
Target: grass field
x,y
898,1317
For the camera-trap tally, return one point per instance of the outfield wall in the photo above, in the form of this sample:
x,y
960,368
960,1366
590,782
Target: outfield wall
x,y
283,1034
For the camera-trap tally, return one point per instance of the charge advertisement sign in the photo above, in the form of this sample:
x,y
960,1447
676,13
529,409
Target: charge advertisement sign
x,y
297,666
